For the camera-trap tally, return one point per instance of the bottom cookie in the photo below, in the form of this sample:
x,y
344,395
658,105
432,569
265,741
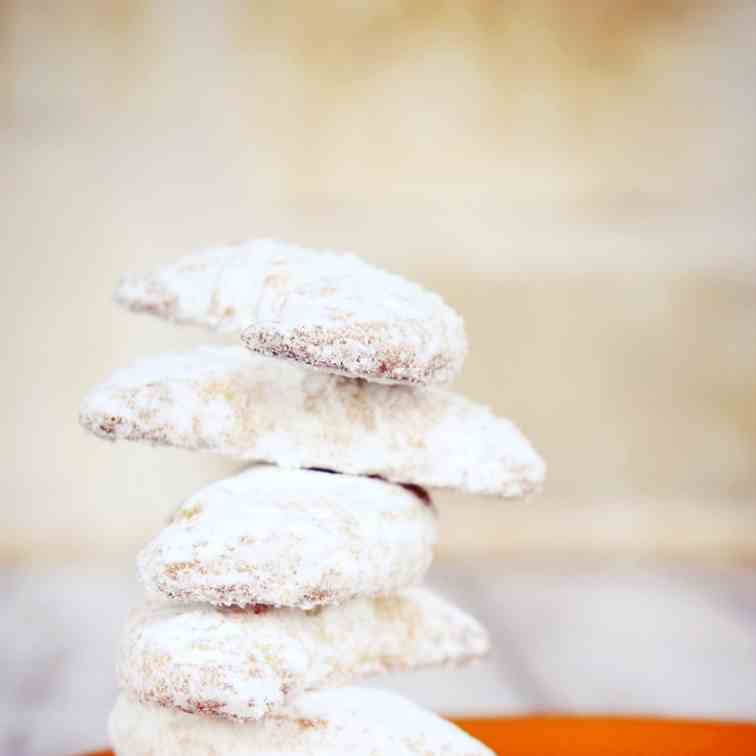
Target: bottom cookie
x,y
353,721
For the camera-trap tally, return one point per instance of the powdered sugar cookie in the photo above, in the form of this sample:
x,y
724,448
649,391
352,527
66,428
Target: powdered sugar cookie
x,y
239,664
327,310
296,538
231,402
349,721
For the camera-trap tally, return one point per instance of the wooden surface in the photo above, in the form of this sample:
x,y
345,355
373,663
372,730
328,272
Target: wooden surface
x,y
589,736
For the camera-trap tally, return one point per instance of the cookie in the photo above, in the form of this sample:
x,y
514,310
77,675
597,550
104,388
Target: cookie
x,y
349,721
330,311
231,402
295,538
243,664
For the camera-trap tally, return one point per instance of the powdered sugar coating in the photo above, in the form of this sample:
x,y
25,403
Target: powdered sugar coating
x,y
324,309
231,402
240,665
349,721
293,538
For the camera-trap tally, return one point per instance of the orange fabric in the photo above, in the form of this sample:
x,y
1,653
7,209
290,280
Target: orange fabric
x,y
590,736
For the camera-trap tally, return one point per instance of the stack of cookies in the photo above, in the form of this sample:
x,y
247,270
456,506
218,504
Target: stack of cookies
x,y
269,590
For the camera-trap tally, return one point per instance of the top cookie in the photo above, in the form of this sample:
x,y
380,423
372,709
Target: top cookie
x,y
330,311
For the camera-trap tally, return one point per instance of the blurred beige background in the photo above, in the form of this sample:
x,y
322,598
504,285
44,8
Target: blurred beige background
x,y
578,178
